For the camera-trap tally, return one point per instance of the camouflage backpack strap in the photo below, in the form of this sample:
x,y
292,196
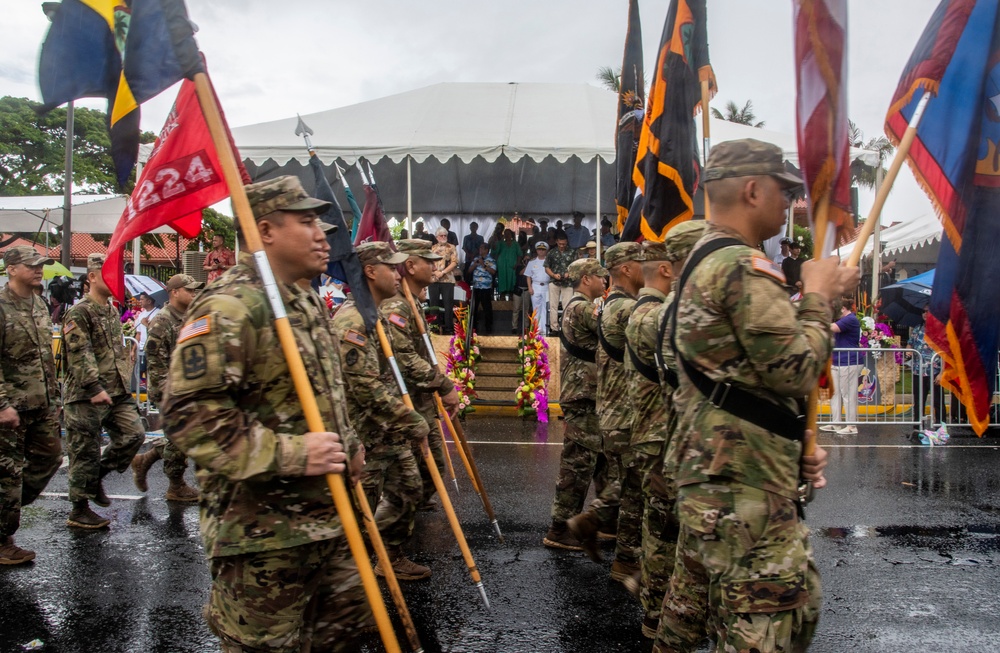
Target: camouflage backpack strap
x,y
615,353
574,350
648,371
728,396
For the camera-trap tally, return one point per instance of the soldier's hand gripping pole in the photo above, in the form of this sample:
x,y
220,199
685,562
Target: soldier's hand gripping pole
x,y
456,432
390,574
432,468
303,387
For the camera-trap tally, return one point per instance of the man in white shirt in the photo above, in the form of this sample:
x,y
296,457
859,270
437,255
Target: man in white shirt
x,y
538,284
785,253
144,318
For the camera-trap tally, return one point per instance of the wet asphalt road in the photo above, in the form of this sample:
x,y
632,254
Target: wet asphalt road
x,y
906,539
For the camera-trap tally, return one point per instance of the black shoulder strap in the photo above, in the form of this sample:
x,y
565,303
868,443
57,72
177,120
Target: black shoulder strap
x,y
576,351
648,371
727,396
669,375
615,353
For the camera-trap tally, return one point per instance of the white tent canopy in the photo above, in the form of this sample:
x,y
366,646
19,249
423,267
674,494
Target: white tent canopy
x,y
92,214
905,236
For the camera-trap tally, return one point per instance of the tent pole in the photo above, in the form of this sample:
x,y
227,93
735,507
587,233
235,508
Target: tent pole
x,y
597,209
409,199
136,245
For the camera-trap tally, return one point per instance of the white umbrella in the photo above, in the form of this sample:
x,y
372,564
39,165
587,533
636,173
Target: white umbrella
x,y
137,284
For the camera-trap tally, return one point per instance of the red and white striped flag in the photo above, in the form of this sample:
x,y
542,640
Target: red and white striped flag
x,y
821,82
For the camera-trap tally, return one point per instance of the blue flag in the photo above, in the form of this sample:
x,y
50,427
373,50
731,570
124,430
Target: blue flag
x,y
160,49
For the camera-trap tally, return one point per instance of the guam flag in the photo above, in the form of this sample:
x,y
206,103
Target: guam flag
x,y
956,159
667,168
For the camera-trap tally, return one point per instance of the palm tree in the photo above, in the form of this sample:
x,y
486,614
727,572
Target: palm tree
x,y
610,77
863,174
734,113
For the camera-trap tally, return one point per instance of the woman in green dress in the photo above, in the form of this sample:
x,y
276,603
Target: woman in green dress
x,y
506,253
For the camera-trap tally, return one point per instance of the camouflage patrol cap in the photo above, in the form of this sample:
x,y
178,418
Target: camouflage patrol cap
x,y
95,262
654,251
373,253
623,253
283,193
25,255
417,247
748,157
183,281
681,239
583,266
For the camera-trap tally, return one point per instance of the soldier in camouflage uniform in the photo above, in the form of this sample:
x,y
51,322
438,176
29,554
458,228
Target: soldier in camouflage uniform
x,y
387,428
624,261
161,338
96,394
283,578
752,356
422,379
561,290
578,393
649,428
30,450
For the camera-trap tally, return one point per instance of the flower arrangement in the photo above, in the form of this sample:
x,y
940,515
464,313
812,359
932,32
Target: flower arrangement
x,y
460,365
128,323
532,354
877,336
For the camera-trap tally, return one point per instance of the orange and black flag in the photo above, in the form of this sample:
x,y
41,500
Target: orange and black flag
x,y
628,127
82,57
667,168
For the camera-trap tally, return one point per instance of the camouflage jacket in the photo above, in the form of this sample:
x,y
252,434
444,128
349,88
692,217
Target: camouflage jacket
x,y
95,354
559,262
422,379
374,402
231,406
612,383
736,324
27,368
649,412
161,338
578,378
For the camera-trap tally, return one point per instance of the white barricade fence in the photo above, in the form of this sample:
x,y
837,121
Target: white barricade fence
x,y
886,388
948,410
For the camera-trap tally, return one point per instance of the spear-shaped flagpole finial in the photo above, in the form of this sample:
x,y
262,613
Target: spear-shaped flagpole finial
x,y
371,172
303,130
361,171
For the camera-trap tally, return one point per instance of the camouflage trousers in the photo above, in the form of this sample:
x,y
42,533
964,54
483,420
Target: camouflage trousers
x,y
288,600
393,488
87,465
607,505
744,565
174,460
427,408
659,528
578,463
30,454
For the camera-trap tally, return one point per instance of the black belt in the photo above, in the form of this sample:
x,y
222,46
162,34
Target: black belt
x,y
729,397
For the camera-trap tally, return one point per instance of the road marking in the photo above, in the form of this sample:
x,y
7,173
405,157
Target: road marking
x,y
62,495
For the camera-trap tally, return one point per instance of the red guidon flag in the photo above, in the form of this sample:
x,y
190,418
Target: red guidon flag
x,y
182,177
821,80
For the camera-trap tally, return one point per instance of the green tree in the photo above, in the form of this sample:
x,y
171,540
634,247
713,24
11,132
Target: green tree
x,y
743,116
32,150
863,174
214,224
610,78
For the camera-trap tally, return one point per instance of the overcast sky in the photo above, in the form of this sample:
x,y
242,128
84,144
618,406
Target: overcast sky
x,y
272,59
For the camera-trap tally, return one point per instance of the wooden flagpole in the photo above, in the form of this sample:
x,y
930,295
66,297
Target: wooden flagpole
x,y
456,431
447,454
875,213
432,467
296,368
706,138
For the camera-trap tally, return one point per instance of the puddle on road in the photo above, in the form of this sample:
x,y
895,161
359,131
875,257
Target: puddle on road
x,y
982,538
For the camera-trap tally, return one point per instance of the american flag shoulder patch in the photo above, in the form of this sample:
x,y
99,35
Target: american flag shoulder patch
x,y
355,338
397,320
195,328
68,326
761,264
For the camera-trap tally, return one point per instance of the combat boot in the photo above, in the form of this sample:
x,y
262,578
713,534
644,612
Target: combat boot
x,y
12,554
633,583
649,627
181,492
100,497
403,567
81,516
559,537
140,467
584,528
623,571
